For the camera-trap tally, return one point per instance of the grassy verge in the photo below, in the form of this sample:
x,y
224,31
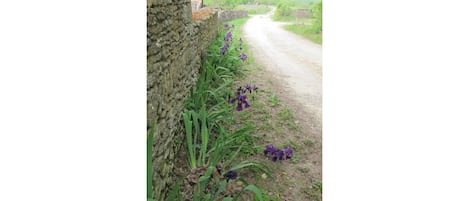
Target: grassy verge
x,y
275,122
305,30
254,9
214,148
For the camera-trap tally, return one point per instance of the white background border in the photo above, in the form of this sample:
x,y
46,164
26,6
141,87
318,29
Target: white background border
x,y
73,100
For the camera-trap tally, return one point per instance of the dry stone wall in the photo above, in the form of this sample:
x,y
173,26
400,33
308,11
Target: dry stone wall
x,y
231,14
176,44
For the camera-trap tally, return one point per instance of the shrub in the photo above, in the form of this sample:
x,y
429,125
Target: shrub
x,y
283,10
317,17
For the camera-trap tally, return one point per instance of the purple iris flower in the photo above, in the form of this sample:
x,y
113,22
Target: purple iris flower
x,y
228,36
241,97
288,153
246,105
247,88
269,149
243,57
227,26
278,154
231,175
239,107
224,48
255,88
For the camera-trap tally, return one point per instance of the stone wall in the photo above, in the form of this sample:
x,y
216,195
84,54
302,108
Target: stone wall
x,y
177,41
228,15
301,13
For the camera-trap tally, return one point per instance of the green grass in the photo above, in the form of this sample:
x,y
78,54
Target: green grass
x,y
288,18
308,142
254,9
273,100
306,31
286,118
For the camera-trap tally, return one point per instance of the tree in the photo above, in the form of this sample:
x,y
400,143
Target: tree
x,y
317,17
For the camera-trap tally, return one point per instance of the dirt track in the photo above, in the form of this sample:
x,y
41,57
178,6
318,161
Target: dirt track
x,y
292,58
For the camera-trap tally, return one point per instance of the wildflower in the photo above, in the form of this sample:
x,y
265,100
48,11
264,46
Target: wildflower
x,y
241,97
239,107
248,88
227,27
224,48
228,36
232,100
231,175
255,88
269,149
240,40
246,104
288,153
243,57
278,154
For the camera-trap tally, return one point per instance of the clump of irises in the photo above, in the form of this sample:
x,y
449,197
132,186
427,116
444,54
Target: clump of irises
x,y
241,96
278,154
228,39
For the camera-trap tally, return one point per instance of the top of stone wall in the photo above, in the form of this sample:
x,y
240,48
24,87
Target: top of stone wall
x,y
164,2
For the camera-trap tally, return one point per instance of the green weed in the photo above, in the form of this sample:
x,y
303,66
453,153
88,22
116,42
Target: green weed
x,y
273,100
286,118
307,31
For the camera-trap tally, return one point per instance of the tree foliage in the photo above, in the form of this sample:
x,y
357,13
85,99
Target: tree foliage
x,y
317,17
283,10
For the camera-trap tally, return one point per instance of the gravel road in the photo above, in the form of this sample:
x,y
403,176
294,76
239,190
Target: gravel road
x,y
292,58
